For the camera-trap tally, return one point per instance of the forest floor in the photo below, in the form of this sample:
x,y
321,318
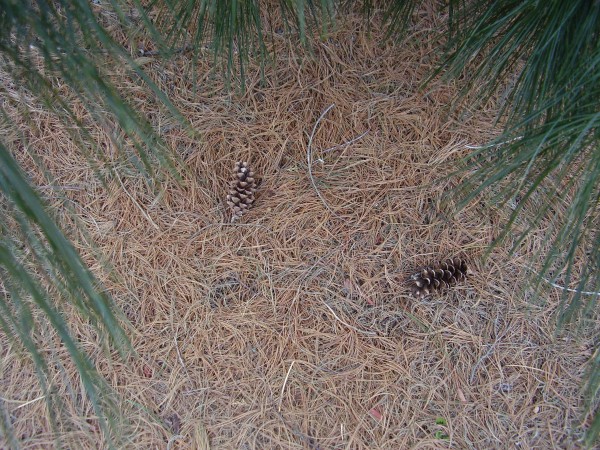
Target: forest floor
x,y
293,327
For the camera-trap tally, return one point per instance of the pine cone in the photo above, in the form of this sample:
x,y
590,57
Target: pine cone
x,y
440,275
241,193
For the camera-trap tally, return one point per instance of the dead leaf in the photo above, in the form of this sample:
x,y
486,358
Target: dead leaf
x,y
147,371
376,414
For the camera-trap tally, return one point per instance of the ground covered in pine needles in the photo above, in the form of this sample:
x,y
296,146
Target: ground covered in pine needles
x,y
293,327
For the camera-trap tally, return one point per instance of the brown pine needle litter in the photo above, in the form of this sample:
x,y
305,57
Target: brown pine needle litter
x,y
292,328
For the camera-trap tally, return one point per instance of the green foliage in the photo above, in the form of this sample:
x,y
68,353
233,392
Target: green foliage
x,y
550,149
43,45
441,435
60,264
546,57
591,394
45,41
234,29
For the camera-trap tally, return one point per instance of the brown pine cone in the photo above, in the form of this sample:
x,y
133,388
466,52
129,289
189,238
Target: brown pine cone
x,y
438,276
241,191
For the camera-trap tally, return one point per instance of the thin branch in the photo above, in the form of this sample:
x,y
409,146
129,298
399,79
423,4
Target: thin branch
x,y
309,159
493,144
488,353
569,289
22,403
368,333
138,205
345,144
144,52
179,354
558,286
176,340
